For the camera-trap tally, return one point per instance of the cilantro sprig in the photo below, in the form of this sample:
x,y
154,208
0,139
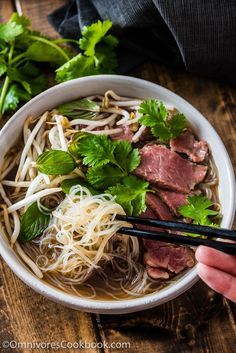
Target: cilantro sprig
x,y
96,150
199,208
98,53
22,52
131,194
109,166
109,161
155,116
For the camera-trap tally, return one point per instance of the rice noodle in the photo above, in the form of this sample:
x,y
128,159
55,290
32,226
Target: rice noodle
x,y
80,229
77,242
28,261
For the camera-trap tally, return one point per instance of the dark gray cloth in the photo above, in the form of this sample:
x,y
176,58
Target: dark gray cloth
x,y
197,34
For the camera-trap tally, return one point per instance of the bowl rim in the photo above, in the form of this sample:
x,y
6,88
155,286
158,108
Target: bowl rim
x,y
127,305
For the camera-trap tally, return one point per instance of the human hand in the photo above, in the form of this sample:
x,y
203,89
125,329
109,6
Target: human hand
x,y
217,270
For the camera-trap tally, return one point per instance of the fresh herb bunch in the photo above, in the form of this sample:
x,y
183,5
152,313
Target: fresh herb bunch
x,y
108,161
155,116
22,52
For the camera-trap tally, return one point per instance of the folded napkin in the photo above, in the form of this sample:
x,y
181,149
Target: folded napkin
x,y
195,34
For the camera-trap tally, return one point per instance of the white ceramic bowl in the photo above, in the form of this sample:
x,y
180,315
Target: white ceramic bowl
x,y
132,87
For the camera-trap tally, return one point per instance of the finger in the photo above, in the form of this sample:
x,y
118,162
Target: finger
x,y
218,280
217,259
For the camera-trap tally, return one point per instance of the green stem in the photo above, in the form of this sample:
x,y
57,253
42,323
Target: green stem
x,y
20,62
18,57
7,80
11,53
65,40
52,44
3,94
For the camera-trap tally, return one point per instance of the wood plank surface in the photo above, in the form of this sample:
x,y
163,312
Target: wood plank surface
x,y
199,321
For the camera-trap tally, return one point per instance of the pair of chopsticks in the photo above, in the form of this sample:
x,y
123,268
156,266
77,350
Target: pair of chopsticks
x,y
209,232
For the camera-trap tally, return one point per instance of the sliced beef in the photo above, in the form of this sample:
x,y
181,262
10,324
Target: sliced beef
x,y
155,209
158,207
186,143
169,258
157,273
126,135
149,213
165,168
163,259
173,199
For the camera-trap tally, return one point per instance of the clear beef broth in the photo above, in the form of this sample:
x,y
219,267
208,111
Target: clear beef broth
x,y
114,281
111,289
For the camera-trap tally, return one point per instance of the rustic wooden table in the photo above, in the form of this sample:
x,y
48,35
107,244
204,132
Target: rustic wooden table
x,y
198,321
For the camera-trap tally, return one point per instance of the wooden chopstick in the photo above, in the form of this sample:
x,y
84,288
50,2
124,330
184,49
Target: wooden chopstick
x,y
228,248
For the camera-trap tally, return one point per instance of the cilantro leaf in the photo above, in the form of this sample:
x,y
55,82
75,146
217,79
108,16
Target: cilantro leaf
x,y
198,209
14,96
110,40
10,30
104,176
127,157
37,80
43,52
97,150
15,75
155,116
73,147
78,66
177,124
105,59
20,20
153,112
29,77
93,34
161,131
130,194
98,56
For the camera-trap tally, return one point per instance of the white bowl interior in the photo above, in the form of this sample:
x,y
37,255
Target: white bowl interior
x,y
132,87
